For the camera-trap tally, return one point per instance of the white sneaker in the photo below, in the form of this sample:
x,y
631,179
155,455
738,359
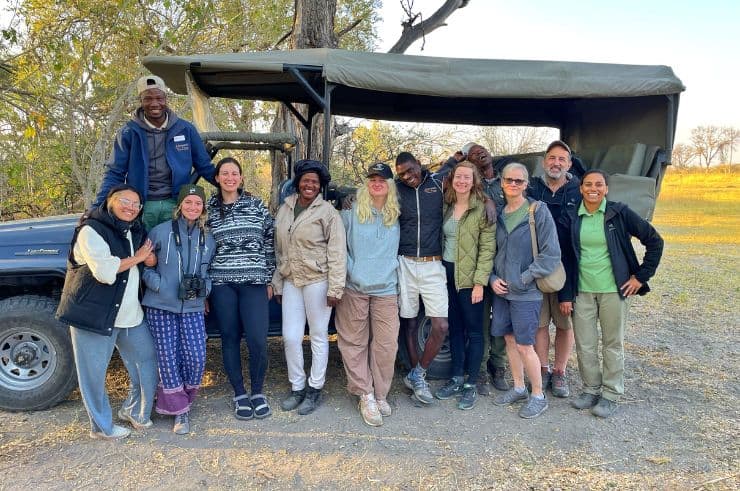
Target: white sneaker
x,y
369,410
384,407
117,433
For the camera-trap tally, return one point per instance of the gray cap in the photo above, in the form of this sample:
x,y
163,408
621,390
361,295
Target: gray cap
x,y
150,82
466,148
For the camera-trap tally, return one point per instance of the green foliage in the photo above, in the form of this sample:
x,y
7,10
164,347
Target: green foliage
x,y
66,83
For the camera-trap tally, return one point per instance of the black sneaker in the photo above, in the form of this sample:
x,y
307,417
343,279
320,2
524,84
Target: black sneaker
x,y
604,408
450,389
498,378
310,402
484,388
293,400
585,401
468,398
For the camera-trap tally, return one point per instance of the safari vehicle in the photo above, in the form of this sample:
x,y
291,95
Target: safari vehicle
x,y
619,118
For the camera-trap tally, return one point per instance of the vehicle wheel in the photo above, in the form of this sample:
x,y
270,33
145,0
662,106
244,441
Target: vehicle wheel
x,y
37,368
442,363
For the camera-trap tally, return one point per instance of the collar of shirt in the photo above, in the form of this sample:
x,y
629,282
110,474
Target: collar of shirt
x,y
164,125
583,211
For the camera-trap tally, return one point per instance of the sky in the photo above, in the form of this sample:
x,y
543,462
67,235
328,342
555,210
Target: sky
x,y
699,40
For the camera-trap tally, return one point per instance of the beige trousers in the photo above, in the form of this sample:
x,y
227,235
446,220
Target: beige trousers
x,y
367,336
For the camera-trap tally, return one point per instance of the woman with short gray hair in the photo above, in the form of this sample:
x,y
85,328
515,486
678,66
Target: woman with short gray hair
x,y
517,300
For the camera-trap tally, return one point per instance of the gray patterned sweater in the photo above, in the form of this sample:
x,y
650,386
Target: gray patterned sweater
x,y
245,246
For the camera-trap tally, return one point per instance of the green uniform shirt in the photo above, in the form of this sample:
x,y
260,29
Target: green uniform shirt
x,y
511,220
595,273
449,228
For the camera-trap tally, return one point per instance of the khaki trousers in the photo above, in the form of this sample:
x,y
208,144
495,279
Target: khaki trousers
x,y
367,336
611,313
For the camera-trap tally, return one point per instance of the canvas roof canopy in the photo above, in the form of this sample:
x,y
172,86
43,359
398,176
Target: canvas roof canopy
x,y
593,104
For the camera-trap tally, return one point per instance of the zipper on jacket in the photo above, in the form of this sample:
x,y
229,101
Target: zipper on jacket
x,y
418,223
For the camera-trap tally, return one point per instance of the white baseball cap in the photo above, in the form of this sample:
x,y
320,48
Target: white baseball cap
x,y
150,82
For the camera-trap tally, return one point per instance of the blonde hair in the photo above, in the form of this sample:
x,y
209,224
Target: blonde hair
x,y
177,213
391,209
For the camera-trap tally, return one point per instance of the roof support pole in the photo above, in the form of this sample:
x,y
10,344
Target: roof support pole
x,y
297,114
328,88
307,87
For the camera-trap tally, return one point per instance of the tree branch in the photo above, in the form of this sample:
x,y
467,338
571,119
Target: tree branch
x,y
354,24
412,32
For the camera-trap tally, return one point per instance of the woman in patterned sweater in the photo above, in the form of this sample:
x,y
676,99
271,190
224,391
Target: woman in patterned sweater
x,y
241,272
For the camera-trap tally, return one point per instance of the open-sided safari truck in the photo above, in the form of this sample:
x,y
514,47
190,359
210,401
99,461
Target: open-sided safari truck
x,y
620,118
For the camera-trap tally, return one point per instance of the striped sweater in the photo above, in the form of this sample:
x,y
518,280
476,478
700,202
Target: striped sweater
x,y
245,246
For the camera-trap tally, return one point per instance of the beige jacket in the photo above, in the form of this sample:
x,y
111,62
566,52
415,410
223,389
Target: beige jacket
x,y
311,248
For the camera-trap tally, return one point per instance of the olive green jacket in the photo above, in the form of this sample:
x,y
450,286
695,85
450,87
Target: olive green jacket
x,y
476,245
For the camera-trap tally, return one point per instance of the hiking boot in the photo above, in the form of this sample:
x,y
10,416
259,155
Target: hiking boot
x,y
559,384
117,433
369,410
482,384
534,407
416,381
468,398
450,389
546,378
384,407
293,400
585,401
604,408
182,424
498,378
125,415
310,402
510,396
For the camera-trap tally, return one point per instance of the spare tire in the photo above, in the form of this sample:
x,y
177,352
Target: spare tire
x,y
441,366
37,368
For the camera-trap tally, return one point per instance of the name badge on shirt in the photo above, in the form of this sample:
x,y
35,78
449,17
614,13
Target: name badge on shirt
x,y
179,138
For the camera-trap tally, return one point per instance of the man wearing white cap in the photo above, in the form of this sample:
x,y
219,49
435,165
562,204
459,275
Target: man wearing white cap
x,y
155,152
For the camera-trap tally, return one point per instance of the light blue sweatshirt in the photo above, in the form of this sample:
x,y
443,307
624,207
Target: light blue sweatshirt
x,y
372,254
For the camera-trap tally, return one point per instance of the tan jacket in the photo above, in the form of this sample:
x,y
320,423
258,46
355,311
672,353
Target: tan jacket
x,y
311,248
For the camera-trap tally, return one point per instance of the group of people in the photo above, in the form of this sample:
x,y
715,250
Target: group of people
x,y
460,239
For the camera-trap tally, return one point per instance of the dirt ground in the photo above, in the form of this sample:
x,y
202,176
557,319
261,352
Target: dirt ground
x,y
677,428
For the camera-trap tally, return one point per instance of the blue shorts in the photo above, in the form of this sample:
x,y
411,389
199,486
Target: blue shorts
x,y
520,317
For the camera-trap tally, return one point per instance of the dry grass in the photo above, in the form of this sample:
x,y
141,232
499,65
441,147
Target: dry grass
x,y
700,208
678,428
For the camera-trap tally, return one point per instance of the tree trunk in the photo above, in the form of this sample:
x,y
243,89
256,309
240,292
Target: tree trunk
x,y
313,27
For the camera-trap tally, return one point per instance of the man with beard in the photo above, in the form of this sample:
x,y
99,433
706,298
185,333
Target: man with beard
x,y
560,191
155,152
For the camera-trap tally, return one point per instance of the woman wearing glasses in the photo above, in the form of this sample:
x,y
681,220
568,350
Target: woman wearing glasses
x,y
516,305
100,302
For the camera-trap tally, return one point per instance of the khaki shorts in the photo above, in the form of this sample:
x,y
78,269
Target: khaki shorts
x,y
551,309
425,279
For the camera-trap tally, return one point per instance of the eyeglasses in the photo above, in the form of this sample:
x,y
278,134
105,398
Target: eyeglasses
x,y
517,182
130,204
